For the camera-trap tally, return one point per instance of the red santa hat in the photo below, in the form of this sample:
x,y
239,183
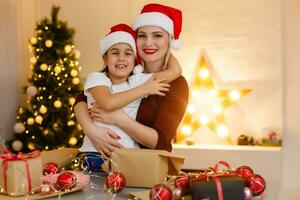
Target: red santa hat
x,y
121,33
168,18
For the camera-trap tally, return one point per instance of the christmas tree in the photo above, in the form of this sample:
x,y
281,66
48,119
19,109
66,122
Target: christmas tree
x,y
47,121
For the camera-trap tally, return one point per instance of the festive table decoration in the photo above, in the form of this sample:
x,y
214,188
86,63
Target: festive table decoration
x,y
115,182
133,163
160,192
66,180
50,168
207,105
19,173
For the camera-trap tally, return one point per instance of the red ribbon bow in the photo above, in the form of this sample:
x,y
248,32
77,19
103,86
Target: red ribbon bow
x,y
9,156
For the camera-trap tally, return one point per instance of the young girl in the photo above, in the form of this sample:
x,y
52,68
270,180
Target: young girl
x,y
116,87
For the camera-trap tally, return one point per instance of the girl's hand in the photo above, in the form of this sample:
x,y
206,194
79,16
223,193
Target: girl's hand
x,y
156,86
104,140
113,118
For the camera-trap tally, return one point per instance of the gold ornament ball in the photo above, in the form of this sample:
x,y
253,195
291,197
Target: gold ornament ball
x,y
57,104
57,69
33,60
43,109
30,121
71,101
39,119
74,72
31,146
68,48
48,43
33,40
17,145
71,123
73,140
75,81
44,67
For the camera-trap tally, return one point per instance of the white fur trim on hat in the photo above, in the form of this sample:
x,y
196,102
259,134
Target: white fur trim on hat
x,y
114,38
138,69
176,44
154,19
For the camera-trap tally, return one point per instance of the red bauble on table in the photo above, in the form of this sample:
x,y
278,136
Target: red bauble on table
x,y
50,168
160,192
115,182
246,173
182,181
257,184
66,180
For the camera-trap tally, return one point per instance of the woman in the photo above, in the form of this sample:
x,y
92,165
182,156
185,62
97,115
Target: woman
x,y
158,116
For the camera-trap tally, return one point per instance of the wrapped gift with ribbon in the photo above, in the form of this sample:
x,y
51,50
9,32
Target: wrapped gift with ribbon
x,y
19,173
216,184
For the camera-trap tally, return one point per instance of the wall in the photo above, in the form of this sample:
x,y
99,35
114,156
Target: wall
x,y
291,46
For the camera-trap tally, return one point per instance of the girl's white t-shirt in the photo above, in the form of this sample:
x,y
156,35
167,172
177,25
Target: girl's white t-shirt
x,y
100,79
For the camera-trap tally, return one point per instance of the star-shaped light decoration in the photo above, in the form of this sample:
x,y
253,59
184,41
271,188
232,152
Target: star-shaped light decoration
x,y
207,105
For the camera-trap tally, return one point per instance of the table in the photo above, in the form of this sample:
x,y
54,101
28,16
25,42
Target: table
x,y
93,193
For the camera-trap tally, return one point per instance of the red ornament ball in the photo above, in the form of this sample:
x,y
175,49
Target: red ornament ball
x,y
245,172
257,184
182,181
50,168
66,180
115,182
160,192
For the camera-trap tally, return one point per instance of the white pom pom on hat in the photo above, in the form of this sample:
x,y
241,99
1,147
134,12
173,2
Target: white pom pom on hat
x,y
166,17
138,69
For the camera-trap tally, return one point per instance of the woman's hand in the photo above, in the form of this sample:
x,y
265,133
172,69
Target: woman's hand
x,y
156,86
104,140
113,118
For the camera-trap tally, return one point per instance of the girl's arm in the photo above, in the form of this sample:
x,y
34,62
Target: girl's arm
x,y
103,139
108,101
173,70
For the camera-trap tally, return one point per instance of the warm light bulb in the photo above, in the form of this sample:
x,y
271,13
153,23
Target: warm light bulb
x,y
33,60
196,93
39,119
43,109
31,146
218,109
71,123
75,81
234,95
44,67
74,73
71,101
33,40
204,73
222,130
48,43
203,119
212,93
186,130
73,141
30,121
191,109
57,69
57,104
68,48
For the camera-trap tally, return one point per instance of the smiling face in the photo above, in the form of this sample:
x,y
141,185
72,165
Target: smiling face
x,y
152,44
120,60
